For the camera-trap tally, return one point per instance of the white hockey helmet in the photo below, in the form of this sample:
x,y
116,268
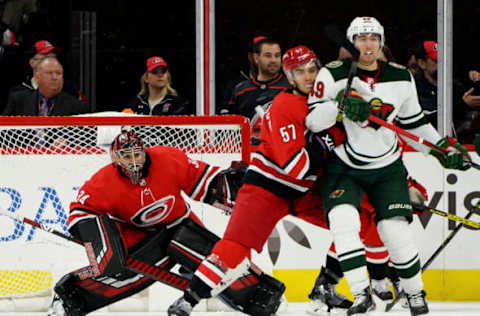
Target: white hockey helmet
x,y
365,24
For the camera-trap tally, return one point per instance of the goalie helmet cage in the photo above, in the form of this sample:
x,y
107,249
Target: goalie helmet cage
x,y
44,161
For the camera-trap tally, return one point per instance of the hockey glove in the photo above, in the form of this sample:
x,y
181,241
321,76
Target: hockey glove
x,y
228,183
456,157
320,144
476,142
356,108
418,195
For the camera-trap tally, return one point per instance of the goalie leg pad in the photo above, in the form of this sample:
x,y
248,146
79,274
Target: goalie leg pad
x,y
190,244
106,240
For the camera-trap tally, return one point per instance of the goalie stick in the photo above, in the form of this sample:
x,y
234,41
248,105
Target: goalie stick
x,y
83,273
157,273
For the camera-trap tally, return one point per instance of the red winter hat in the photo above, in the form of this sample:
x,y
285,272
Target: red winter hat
x,y
431,48
44,47
155,62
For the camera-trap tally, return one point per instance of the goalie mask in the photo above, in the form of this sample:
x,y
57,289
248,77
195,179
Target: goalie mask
x,y
297,56
128,155
365,24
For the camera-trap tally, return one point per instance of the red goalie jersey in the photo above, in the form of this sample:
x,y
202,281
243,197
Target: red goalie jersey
x,y
156,200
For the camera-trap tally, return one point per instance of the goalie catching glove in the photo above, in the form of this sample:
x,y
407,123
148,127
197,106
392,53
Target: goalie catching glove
x,y
356,108
223,191
456,157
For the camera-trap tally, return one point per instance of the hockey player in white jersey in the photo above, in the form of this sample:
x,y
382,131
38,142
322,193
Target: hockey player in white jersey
x,y
369,161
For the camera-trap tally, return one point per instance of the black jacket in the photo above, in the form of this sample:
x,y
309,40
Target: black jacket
x,y
26,103
169,105
249,93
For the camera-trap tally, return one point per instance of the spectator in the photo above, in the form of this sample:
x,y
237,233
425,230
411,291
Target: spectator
x,y
44,49
16,12
156,96
7,36
262,88
470,124
252,73
386,54
426,55
48,99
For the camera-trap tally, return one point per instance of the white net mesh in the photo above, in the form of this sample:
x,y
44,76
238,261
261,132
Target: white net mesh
x,y
76,140
42,167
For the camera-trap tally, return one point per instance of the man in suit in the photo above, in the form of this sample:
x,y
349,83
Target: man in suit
x,y
48,99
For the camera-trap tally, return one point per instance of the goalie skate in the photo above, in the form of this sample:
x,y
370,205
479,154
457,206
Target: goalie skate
x,y
57,308
180,308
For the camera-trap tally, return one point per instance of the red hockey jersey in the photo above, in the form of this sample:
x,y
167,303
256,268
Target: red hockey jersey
x,y
155,201
282,164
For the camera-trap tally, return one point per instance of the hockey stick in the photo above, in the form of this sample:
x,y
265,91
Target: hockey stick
x,y
440,248
83,273
334,34
132,264
462,220
445,243
413,137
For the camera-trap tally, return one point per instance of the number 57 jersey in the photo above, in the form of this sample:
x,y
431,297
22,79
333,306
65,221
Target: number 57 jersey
x,y
282,164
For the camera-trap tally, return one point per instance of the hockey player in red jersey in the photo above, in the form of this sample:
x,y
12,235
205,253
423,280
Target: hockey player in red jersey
x,y
283,169
132,212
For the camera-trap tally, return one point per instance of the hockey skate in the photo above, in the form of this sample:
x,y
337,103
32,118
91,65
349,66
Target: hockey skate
x,y
58,308
381,290
362,304
417,303
324,298
382,295
402,297
180,308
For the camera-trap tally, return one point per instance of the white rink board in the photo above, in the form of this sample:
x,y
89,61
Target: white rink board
x,y
31,177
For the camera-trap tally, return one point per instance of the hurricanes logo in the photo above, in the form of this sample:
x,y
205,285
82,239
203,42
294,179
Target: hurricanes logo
x,y
381,110
154,213
336,194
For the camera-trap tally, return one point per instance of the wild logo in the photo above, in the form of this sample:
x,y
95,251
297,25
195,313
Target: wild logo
x,y
336,194
381,110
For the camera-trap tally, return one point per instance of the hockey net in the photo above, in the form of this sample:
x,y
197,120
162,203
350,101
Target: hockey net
x,y
43,162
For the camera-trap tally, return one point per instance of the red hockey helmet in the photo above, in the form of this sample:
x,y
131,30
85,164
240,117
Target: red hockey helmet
x,y
297,56
128,155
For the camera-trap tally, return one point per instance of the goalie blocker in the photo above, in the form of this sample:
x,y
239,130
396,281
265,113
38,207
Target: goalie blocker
x,y
186,244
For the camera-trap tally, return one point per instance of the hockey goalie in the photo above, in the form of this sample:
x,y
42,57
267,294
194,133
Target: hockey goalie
x,y
132,213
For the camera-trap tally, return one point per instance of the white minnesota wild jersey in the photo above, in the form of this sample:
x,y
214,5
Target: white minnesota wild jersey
x,y
392,95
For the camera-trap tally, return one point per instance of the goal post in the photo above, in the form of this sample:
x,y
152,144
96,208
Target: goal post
x,y
43,162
